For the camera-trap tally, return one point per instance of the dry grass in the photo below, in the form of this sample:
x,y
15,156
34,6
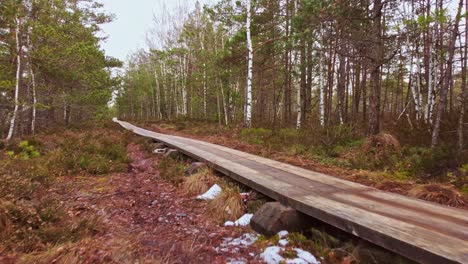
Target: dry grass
x,y
228,205
438,194
91,251
199,182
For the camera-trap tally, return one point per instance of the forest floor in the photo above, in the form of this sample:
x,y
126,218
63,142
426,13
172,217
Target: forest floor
x,y
99,214
101,197
137,218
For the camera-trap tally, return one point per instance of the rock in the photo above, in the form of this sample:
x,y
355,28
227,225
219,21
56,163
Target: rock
x,y
274,217
172,153
159,146
194,168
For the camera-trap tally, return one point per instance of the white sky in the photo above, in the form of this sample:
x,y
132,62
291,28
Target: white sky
x,y
132,21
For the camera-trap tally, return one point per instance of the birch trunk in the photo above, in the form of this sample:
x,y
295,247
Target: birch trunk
x,y
248,112
18,76
158,99
34,109
322,93
447,80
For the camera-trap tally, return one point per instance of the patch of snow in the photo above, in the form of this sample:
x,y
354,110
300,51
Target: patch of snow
x,y
243,221
307,256
271,255
229,223
283,242
283,234
244,240
296,261
214,191
233,244
159,151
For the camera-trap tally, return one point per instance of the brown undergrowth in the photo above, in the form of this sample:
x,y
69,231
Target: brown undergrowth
x,y
33,172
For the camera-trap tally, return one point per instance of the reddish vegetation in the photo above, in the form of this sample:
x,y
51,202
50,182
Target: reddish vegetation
x,y
163,223
445,195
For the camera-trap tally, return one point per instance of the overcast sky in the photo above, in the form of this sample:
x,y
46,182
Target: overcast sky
x,y
132,21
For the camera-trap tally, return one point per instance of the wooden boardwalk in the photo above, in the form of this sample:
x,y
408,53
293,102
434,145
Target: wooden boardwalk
x,y
422,231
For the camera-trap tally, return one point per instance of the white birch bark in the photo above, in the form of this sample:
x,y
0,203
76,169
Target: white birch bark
x,y
298,106
18,76
158,100
248,111
322,93
429,91
34,110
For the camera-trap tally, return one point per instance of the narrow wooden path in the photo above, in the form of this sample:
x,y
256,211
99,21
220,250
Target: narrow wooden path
x,y
422,231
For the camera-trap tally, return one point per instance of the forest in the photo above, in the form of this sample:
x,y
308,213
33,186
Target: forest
x,y
368,95
382,65
52,68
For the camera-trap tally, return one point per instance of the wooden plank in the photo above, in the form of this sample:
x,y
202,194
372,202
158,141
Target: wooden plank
x,y
419,230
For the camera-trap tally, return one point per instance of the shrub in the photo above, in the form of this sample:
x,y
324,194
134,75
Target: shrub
x,y
94,153
381,151
172,170
255,135
428,163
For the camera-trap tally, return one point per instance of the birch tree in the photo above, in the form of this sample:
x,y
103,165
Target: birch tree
x,y
248,104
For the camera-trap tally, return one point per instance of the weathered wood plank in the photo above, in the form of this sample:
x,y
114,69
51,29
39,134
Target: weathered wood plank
x,y
419,230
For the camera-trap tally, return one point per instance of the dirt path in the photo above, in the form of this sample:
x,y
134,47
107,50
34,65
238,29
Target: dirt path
x,y
163,224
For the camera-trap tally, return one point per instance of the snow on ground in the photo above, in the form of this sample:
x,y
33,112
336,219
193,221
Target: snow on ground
x,y
230,244
305,255
214,191
283,234
243,221
272,254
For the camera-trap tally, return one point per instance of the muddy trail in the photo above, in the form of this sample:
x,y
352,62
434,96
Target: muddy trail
x,y
163,224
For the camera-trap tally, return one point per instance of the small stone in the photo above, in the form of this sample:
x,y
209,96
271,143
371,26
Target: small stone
x,y
274,217
194,168
182,215
172,153
155,202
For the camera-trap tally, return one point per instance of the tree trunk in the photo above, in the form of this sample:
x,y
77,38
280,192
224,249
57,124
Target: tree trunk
x,y
464,51
447,80
376,60
19,49
248,112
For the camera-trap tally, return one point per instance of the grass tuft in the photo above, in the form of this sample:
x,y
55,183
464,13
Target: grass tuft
x,y
199,183
228,205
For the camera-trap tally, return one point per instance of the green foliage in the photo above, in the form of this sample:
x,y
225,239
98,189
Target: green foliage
x,y
428,163
94,153
255,135
172,170
24,150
